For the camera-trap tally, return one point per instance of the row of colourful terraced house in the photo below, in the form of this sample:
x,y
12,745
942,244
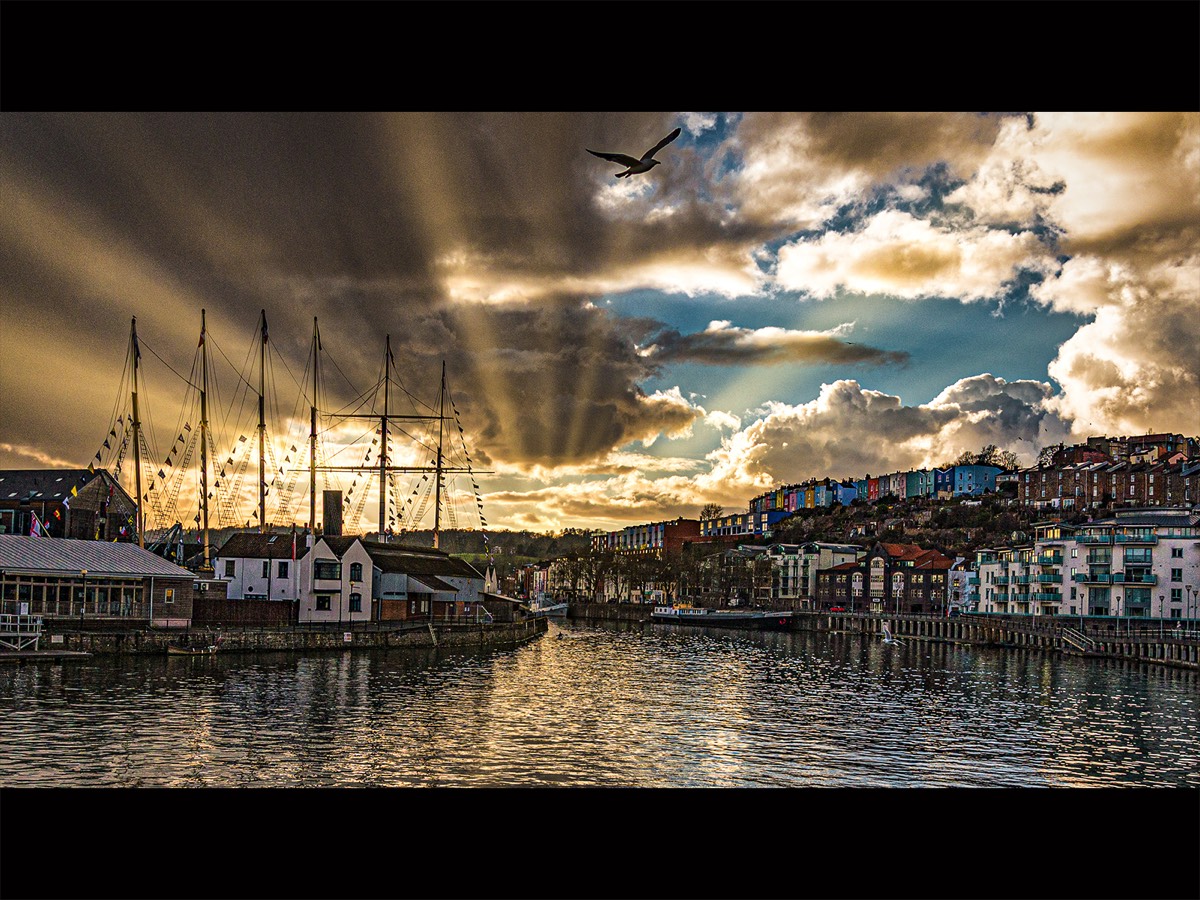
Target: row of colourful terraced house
x,y
950,481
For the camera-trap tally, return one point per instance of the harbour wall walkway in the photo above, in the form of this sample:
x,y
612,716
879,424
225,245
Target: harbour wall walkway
x,y
1144,645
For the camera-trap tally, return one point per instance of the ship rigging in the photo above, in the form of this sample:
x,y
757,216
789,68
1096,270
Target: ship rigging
x,y
409,442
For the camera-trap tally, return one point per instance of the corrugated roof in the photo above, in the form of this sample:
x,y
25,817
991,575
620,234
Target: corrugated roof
x,y
19,553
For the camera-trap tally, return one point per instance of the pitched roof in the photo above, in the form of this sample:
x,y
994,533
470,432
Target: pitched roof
x,y
273,545
65,556
42,484
430,581
419,561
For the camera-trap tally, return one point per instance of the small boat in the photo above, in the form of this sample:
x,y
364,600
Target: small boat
x,y
194,649
759,619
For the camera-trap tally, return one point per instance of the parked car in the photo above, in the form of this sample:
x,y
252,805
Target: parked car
x,y
837,609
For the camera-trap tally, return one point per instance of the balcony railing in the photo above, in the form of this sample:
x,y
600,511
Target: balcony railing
x,y
1095,539
1095,577
1049,597
1050,578
1134,578
973,580
1001,579
1023,579
1137,539
1050,559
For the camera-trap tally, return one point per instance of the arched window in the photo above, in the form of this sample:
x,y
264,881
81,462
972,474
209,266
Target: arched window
x,y
356,571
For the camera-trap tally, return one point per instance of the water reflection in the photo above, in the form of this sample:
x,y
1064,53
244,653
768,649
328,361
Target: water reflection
x,y
645,706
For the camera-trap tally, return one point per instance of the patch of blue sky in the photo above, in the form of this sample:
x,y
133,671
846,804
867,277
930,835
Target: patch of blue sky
x,y
946,340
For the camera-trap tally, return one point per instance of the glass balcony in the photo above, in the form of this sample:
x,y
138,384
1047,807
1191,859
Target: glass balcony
x,y
1134,578
1050,578
1023,579
1001,579
1050,559
1137,539
1094,539
1094,577
1049,597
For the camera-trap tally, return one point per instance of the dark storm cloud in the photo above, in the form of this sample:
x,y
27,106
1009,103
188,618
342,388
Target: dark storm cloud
x,y
724,345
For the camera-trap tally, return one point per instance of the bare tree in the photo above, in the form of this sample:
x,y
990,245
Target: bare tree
x,y
710,511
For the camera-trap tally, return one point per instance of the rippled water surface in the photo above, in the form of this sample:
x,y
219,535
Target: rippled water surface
x,y
615,706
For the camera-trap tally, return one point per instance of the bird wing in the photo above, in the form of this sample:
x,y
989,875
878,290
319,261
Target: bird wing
x,y
670,137
616,157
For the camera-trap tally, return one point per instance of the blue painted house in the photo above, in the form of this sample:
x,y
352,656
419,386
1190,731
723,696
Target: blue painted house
x,y
971,481
943,482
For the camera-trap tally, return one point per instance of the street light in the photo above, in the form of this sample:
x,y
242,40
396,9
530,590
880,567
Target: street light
x,y
82,598
1162,614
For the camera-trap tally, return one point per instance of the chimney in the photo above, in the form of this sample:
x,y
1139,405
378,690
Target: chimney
x,y
333,513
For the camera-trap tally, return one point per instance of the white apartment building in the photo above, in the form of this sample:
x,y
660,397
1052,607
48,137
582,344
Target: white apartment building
x,y
1137,563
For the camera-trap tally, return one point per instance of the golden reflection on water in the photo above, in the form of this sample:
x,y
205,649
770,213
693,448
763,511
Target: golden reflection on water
x,y
653,706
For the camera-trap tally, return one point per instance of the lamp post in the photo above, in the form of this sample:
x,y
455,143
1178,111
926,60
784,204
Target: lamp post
x,y
1162,614
1188,609
82,597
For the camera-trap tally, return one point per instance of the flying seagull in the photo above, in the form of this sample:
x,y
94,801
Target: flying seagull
x,y
888,637
637,166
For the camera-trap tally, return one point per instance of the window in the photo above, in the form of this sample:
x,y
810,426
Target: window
x,y
230,565
356,571
1176,595
283,569
266,568
323,602
356,603
327,570
169,595
1177,574
1176,553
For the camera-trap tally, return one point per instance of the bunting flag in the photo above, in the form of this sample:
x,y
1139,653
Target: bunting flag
x,y
74,493
187,427
106,444
162,474
179,439
58,514
36,529
242,438
91,469
120,420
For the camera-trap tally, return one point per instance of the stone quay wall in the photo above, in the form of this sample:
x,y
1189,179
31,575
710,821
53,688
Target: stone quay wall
x,y
289,639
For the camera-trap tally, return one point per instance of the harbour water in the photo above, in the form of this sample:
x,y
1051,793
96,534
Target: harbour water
x,y
605,706
663,736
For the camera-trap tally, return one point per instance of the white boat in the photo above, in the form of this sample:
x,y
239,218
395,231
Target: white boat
x,y
546,606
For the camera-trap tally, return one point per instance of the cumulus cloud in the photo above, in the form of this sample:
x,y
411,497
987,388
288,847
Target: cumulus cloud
x,y
898,255
849,431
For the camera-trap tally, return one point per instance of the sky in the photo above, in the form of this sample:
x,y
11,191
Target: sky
x,y
787,296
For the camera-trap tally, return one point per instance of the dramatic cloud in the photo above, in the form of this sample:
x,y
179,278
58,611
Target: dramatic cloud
x,y
723,344
431,229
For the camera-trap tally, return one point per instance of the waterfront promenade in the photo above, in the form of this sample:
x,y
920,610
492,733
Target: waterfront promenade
x,y
1138,642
